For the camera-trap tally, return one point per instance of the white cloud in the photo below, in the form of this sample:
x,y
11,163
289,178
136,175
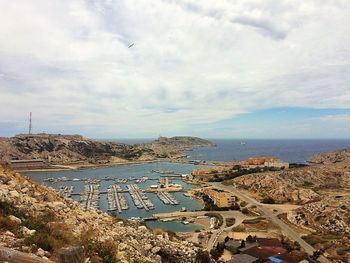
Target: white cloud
x,y
343,118
193,62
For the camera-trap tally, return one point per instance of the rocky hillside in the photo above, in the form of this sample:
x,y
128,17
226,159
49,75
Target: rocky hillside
x,y
331,157
174,147
73,149
298,186
35,219
322,191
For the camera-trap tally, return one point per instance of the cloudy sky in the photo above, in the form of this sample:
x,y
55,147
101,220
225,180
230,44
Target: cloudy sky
x,y
216,69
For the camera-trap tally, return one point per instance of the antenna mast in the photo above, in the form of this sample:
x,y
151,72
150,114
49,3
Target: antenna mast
x,y
30,123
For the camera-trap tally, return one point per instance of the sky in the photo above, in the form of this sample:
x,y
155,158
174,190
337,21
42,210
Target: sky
x,y
214,69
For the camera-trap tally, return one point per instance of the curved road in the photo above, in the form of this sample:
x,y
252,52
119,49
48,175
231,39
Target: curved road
x,y
288,231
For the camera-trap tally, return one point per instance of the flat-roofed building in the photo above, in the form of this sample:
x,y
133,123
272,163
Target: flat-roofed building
x,y
219,197
27,164
243,258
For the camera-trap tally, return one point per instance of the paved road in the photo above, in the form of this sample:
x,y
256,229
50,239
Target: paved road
x,y
239,217
288,231
225,214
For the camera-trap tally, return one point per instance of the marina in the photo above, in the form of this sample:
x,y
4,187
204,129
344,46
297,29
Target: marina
x,y
90,197
139,198
116,200
121,176
167,198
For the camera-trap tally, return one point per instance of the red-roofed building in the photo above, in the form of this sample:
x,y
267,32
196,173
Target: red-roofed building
x,y
264,161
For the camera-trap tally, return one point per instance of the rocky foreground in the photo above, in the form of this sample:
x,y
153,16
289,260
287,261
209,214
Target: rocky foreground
x,y
35,219
56,149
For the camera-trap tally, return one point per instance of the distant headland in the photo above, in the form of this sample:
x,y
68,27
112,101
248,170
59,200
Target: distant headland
x,y
57,151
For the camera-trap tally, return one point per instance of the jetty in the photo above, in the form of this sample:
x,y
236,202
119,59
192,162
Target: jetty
x,y
167,198
116,200
141,180
121,180
166,173
139,198
90,196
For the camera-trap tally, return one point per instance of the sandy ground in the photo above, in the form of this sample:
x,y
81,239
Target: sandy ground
x,y
203,221
283,208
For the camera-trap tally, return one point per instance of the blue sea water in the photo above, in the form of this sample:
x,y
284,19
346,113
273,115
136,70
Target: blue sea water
x,y
293,151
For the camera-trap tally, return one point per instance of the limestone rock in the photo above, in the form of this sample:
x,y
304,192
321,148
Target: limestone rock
x,y
14,219
27,232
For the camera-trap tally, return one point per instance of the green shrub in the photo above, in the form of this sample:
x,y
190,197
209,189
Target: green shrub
x,y
253,220
217,252
243,204
245,211
7,208
230,221
268,200
40,239
308,184
312,239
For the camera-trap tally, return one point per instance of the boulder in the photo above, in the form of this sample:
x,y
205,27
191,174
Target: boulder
x,y
14,194
27,232
155,250
14,219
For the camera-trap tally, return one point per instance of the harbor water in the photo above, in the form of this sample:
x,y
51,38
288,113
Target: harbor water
x,y
132,171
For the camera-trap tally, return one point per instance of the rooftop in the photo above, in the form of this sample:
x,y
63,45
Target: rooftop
x,y
242,258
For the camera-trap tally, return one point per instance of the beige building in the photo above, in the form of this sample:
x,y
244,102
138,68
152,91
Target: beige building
x,y
220,198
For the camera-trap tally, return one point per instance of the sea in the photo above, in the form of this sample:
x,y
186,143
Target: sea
x,y
293,151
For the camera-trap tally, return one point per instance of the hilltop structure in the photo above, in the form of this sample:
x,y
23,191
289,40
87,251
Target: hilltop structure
x,y
264,162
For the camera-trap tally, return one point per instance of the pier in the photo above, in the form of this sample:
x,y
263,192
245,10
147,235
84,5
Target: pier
x,y
139,198
116,200
167,198
166,173
90,197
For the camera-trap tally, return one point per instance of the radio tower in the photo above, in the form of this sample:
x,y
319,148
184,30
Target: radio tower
x,y
30,123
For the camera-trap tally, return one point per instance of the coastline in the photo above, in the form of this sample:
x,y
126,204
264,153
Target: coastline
x,y
67,167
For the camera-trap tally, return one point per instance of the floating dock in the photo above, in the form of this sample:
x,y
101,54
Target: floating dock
x,y
90,197
139,198
121,180
167,198
116,200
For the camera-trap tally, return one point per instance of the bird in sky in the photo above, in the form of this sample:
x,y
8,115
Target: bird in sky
x,y
130,45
